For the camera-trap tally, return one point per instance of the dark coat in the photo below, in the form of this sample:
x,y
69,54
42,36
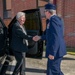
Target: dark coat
x,y
55,44
3,35
17,39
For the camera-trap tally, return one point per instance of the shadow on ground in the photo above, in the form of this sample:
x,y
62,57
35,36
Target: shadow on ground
x,y
35,70
67,58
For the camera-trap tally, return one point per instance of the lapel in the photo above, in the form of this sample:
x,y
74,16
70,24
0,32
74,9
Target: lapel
x,y
24,31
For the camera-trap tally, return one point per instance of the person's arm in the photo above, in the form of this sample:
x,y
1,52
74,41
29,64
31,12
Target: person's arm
x,y
43,37
20,33
53,37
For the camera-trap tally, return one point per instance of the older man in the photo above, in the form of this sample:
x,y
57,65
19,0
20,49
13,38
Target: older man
x,y
19,41
55,45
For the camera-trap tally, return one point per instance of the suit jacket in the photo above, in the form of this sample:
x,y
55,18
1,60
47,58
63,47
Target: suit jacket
x,y
55,44
18,35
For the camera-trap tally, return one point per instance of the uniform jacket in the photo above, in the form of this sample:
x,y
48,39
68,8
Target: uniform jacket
x,y
55,44
17,39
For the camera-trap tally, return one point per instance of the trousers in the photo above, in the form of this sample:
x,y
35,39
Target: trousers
x,y
20,65
53,66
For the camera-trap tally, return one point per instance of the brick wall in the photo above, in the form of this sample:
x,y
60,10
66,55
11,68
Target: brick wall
x,y
42,3
20,5
66,9
1,9
69,19
60,7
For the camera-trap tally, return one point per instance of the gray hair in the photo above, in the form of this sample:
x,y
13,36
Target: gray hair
x,y
52,11
19,14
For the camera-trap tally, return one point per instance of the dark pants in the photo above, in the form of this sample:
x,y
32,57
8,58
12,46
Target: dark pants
x,y
20,66
53,66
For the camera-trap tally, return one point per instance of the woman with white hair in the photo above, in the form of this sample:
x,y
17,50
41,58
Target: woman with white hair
x,y
19,42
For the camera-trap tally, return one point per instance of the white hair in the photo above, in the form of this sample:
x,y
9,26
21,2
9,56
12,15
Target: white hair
x,y
19,14
52,11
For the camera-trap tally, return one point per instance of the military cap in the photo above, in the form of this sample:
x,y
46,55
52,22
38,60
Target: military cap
x,y
50,6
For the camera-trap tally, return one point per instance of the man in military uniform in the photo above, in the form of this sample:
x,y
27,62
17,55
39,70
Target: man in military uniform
x,y
55,44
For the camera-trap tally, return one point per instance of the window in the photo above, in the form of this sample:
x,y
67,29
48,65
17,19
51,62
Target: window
x,y
6,9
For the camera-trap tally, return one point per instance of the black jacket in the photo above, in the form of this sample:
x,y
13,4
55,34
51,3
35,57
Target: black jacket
x,y
3,35
17,39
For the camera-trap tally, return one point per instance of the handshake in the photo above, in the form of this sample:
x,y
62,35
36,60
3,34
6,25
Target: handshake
x,y
36,38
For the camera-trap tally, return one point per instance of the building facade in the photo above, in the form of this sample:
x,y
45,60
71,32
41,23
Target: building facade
x,y
9,8
65,9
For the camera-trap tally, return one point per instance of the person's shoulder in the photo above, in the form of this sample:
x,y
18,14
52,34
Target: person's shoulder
x,y
15,25
55,18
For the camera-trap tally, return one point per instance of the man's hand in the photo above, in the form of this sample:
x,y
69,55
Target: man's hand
x,y
51,57
36,38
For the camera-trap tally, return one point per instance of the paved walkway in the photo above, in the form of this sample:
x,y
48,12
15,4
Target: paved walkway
x,y
38,66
